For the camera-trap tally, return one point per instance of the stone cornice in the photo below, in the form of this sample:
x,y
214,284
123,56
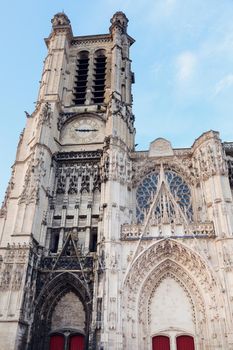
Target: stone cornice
x,y
89,39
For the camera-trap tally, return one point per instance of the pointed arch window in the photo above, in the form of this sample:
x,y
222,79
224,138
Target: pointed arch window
x,y
81,78
98,88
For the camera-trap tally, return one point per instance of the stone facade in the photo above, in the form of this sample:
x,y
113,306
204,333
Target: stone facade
x,y
103,242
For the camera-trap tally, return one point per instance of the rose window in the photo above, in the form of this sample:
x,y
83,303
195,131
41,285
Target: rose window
x,y
180,195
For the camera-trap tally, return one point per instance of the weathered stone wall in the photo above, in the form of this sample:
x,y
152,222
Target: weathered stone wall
x,y
69,313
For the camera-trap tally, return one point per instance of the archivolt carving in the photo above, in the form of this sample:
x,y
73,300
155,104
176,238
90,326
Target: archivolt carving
x,y
174,271
168,256
175,251
160,260
170,269
48,299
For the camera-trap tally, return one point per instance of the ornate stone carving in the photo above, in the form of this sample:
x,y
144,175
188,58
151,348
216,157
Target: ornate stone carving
x,y
9,189
63,118
117,108
168,258
46,115
209,160
6,277
13,266
17,277
78,177
181,165
174,251
134,231
105,167
60,19
71,156
35,172
120,168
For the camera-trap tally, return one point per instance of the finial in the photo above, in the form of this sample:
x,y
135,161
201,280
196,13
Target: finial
x,y
119,19
60,19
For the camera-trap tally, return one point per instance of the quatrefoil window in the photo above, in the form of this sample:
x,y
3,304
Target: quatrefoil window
x,y
148,188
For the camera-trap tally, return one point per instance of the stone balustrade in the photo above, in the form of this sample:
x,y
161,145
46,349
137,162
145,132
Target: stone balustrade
x,y
199,229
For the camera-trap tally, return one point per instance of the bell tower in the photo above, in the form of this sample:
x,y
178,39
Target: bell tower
x,y
70,182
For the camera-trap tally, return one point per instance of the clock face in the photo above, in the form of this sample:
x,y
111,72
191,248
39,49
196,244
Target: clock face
x,y
85,130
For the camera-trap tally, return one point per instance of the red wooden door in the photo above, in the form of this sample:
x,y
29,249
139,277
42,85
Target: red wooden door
x,y
185,342
161,342
57,342
77,342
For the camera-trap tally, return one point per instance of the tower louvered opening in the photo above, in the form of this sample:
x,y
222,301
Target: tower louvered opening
x,y
99,77
81,77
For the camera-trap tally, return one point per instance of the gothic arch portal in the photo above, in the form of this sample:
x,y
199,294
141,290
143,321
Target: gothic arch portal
x,y
47,301
162,261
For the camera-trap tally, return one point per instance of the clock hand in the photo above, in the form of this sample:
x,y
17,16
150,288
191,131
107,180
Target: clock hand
x,y
85,130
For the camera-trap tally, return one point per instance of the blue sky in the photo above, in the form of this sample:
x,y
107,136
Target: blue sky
x,y
182,59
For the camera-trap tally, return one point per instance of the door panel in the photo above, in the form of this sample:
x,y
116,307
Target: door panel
x,y
77,342
185,342
57,342
161,342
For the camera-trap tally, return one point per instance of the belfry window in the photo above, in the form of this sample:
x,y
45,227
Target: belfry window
x,y
98,87
81,78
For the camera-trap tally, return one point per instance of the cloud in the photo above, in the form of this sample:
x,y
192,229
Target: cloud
x,y
186,64
223,84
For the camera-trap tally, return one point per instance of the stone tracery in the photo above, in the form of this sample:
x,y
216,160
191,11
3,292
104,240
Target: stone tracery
x,y
179,190
169,258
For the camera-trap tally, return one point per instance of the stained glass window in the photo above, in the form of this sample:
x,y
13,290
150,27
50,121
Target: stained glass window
x,y
178,189
181,192
146,190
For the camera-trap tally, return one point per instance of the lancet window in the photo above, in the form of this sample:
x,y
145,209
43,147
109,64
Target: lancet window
x,y
81,78
90,76
98,88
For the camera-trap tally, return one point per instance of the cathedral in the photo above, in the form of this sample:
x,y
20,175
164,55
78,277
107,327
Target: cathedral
x,y
103,247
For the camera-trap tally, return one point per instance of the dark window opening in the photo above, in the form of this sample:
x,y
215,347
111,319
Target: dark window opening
x,y
98,87
93,239
54,240
80,85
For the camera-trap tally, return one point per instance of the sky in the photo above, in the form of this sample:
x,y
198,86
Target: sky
x,y
182,60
